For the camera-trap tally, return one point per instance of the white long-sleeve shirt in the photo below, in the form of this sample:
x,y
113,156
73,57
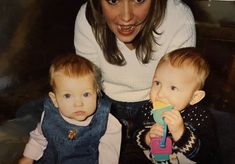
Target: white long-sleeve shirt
x,y
132,82
109,147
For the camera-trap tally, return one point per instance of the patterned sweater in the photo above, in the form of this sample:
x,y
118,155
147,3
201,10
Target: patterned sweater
x,y
198,142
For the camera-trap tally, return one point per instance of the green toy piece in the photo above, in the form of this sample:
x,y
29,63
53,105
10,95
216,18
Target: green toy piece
x,y
161,148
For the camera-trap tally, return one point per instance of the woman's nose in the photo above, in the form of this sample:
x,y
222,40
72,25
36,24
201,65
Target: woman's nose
x,y
127,12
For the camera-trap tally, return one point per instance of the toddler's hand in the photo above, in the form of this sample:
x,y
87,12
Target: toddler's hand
x,y
155,131
175,123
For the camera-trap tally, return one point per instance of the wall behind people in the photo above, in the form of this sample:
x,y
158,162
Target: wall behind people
x,y
32,32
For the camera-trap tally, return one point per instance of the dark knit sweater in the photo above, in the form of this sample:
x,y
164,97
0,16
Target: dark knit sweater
x,y
198,142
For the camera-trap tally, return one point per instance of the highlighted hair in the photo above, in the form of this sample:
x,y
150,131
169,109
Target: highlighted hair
x,y
73,65
189,57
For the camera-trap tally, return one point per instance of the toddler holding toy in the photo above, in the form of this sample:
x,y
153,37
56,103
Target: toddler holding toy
x,y
178,80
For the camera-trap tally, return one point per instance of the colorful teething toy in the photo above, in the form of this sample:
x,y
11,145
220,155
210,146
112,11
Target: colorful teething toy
x,y
161,147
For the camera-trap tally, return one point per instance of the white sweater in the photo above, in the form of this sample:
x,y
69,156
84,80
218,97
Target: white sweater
x,y
132,82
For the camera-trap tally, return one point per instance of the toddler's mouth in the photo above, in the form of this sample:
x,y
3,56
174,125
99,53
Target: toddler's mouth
x,y
160,105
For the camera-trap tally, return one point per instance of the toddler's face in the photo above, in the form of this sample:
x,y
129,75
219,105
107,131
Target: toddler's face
x,y
173,85
75,97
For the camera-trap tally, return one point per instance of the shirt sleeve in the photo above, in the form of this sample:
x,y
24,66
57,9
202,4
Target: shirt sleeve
x,y
143,125
199,140
110,143
36,144
84,40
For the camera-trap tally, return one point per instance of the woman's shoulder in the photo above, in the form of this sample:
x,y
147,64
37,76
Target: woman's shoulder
x,y
83,35
178,9
178,6
178,15
81,22
81,16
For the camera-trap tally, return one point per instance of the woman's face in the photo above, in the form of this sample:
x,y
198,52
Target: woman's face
x,y
125,17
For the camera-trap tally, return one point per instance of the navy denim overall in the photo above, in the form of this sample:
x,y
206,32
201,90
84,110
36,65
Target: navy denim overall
x,y
83,148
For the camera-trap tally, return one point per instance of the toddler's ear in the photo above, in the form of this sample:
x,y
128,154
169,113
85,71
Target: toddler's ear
x,y
197,96
53,98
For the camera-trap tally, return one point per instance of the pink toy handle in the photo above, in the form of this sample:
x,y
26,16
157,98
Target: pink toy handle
x,y
155,146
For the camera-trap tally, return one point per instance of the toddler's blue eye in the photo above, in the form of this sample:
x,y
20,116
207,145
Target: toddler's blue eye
x,y
157,83
67,96
86,94
173,88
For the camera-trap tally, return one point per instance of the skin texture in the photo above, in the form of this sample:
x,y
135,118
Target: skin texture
x,y
75,97
176,86
125,17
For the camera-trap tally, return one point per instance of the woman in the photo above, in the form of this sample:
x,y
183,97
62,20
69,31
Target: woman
x,y
126,39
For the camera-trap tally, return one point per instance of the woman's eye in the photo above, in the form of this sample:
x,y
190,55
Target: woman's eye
x,y
139,1
67,96
112,2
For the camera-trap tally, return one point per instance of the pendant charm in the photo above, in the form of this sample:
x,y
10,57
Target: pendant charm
x,y
72,134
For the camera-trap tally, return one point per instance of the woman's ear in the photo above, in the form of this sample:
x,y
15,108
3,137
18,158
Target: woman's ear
x,y
197,96
53,99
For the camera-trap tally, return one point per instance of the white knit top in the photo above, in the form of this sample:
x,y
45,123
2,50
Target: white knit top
x,y
132,82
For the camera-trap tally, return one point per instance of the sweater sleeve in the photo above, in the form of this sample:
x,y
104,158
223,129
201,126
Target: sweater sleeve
x,y
188,144
84,40
110,143
143,125
36,144
199,140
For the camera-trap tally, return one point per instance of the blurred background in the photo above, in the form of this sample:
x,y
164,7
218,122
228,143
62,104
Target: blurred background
x,y
33,32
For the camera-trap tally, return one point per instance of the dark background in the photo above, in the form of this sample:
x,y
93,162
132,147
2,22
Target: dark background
x,y
32,33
